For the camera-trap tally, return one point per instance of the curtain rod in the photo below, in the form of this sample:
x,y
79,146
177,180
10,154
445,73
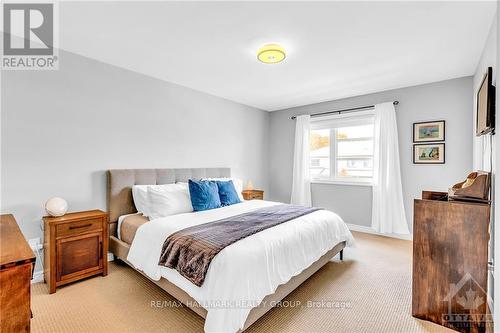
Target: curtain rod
x,y
359,108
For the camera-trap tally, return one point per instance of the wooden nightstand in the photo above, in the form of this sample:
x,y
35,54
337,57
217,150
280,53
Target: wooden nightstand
x,y
75,247
253,194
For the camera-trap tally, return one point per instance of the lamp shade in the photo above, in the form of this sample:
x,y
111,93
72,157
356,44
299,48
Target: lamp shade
x,y
56,206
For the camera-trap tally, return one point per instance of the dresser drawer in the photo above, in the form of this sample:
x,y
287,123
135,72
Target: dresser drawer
x,y
78,227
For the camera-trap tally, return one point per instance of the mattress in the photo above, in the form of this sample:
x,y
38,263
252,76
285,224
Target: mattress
x,y
128,225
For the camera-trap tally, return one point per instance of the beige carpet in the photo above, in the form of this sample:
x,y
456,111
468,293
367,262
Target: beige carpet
x,y
369,292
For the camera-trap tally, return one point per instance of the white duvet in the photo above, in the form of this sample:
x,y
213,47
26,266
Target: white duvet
x,y
242,274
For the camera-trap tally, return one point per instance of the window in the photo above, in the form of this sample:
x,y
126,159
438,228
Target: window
x,y
341,149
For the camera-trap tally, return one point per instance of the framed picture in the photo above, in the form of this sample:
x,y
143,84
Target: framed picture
x,y
431,153
428,131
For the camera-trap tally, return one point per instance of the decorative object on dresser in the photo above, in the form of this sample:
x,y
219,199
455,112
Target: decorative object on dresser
x,y
253,194
429,153
475,188
76,247
17,261
450,262
56,206
429,131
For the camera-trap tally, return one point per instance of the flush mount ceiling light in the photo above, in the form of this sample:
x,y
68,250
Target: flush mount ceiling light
x,y
271,54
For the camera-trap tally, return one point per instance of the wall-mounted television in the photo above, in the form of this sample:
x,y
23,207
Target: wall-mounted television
x,y
485,113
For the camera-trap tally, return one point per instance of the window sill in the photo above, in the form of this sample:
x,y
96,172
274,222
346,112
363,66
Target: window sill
x,y
340,182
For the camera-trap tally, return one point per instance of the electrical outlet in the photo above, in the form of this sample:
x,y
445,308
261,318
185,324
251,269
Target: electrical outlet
x,y
35,244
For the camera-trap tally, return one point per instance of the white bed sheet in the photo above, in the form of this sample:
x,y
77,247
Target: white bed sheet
x,y
242,274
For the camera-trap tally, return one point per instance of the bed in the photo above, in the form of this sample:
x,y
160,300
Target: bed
x,y
266,284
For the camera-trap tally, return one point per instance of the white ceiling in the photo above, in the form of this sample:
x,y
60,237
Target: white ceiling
x,y
335,49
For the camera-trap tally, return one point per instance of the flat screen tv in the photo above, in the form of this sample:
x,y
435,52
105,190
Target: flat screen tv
x,y
485,116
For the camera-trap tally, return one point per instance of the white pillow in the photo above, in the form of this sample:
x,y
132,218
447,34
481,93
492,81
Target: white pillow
x,y
238,184
148,199
168,200
139,194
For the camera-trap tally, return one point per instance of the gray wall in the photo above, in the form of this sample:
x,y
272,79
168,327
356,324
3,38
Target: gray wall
x,y
62,129
449,100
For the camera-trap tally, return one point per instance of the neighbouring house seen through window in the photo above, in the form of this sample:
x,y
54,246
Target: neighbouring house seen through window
x,y
342,149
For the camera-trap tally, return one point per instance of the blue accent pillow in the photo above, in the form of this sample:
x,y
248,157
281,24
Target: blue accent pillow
x,y
204,195
227,193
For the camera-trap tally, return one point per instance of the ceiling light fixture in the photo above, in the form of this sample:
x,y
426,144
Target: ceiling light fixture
x,y
271,54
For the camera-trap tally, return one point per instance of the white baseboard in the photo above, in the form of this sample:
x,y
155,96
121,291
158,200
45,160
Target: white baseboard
x,y
369,230
37,277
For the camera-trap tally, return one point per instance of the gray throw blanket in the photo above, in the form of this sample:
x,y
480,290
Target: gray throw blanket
x,y
190,251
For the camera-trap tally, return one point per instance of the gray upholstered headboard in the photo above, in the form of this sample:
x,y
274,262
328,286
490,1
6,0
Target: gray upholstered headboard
x,y
120,184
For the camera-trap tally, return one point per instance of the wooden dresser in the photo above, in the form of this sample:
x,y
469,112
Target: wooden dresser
x,y
17,262
450,262
76,247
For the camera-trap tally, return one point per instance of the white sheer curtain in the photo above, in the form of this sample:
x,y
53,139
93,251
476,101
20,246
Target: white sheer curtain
x,y
388,212
301,185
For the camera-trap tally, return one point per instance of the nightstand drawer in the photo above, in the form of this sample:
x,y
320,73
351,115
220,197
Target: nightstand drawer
x,y
78,227
255,196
